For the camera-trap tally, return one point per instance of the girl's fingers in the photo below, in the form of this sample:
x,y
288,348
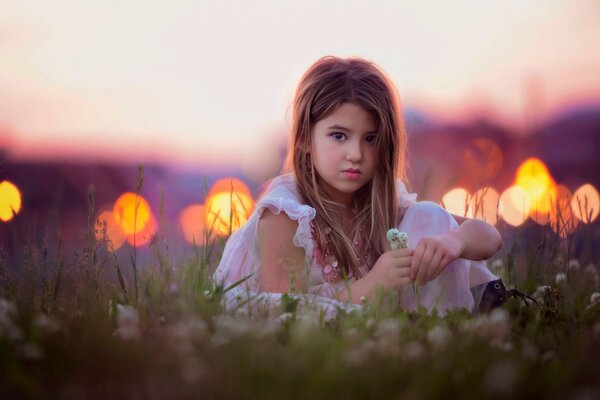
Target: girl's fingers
x,y
417,256
424,269
434,266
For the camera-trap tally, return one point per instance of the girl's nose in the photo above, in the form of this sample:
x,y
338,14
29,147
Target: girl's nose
x,y
354,152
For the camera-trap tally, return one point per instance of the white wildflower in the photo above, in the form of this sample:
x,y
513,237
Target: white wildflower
x,y
573,265
438,336
357,356
540,292
387,327
370,323
413,350
497,264
397,239
8,328
595,298
494,326
128,322
46,324
192,327
560,278
286,317
498,269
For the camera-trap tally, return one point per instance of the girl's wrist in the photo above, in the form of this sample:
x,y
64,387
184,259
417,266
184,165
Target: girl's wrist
x,y
458,240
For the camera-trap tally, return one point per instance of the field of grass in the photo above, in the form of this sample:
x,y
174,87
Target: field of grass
x,y
123,325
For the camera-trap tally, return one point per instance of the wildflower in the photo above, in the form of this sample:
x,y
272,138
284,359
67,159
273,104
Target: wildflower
x,y
560,278
128,322
397,239
46,324
413,350
495,326
540,293
573,265
438,336
286,317
8,329
595,298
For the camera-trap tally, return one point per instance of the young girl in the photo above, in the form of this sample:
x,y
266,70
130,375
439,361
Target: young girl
x,y
321,228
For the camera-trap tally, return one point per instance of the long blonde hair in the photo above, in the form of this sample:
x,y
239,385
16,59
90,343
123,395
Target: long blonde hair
x,y
327,84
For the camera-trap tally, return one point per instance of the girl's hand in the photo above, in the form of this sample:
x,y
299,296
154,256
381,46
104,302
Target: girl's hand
x,y
392,270
433,254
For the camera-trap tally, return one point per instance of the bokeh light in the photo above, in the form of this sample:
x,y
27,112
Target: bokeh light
x,y
562,219
514,205
192,224
484,205
586,203
10,201
533,176
228,206
229,185
109,230
132,213
146,235
456,202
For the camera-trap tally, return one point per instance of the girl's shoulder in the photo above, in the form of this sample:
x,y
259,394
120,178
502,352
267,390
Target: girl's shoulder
x,y
281,194
405,199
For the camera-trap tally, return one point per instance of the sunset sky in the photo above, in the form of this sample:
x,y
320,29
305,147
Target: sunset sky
x,y
196,82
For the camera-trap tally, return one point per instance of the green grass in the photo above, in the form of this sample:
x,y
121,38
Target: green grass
x,y
116,325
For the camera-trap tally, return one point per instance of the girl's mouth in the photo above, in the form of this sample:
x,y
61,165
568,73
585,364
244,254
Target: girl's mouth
x,y
351,173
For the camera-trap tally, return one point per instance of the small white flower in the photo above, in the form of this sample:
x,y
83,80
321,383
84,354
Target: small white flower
x,y
286,317
560,278
595,298
497,264
413,350
438,336
574,265
128,322
46,324
397,239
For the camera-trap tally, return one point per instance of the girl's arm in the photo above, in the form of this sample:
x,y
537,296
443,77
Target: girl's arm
x,y
283,263
473,239
480,240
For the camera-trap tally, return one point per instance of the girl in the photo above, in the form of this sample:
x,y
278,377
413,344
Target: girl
x,y
321,227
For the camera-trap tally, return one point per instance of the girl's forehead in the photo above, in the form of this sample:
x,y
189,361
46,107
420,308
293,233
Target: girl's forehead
x,y
349,110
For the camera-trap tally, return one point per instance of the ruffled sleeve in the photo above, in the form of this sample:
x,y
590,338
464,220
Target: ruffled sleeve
x,y
240,256
405,199
282,196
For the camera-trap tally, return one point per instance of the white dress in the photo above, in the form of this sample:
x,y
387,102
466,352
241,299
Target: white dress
x,y
240,257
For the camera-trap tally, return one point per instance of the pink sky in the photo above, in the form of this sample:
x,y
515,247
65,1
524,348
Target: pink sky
x,y
195,82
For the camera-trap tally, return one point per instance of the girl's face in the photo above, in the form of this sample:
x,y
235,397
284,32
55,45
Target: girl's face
x,y
344,151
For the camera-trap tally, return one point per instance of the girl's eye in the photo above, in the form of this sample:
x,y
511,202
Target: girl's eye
x,y
371,139
338,135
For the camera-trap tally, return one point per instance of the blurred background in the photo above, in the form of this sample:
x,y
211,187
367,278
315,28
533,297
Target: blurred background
x,y
501,100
